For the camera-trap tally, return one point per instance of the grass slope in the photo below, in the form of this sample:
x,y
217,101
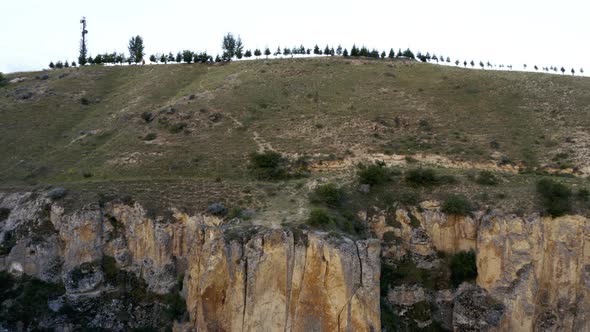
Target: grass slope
x,y
85,130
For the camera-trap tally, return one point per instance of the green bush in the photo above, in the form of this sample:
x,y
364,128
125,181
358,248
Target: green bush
x,y
150,137
29,298
177,127
319,218
421,177
147,116
486,178
414,222
328,194
555,197
268,166
582,195
456,204
374,174
390,237
175,306
463,267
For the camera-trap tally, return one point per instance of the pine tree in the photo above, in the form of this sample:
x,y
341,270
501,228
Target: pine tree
x,y
456,62
582,71
327,50
472,63
573,71
153,58
339,50
354,51
383,55
98,59
178,57
136,49
399,53
171,57
481,65
248,54
59,65
217,58
391,54
67,65
286,51
51,65
267,52
187,56
74,64
345,53
163,58
316,50
278,51
364,51
257,53
239,48
408,54
229,46
448,60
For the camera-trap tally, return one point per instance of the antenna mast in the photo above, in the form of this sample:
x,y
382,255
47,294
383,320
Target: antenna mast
x,y
83,50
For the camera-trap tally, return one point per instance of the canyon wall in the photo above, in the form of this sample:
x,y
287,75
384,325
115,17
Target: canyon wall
x,y
233,279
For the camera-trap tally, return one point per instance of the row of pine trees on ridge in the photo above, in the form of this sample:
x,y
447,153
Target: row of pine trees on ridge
x,y
233,48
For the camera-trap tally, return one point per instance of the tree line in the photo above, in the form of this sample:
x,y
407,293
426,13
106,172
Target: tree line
x,y
233,48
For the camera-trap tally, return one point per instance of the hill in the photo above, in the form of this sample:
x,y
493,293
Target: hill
x,y
184,132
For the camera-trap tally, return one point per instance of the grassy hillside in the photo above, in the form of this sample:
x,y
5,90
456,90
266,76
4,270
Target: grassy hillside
x,y
183,133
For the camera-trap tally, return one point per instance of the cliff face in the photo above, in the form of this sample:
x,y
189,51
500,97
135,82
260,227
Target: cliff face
x,y
533,272
537,267
255,280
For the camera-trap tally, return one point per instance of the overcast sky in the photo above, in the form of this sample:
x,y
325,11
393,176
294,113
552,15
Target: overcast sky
x,y
541,32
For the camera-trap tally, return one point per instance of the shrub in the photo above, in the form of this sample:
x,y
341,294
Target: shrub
x,y
177,127
463,267
319,218
150,137
374,174
217,209
268,166
414,222
147,116
582,195
390,237
421,177
4,213
175,306
486,178
458,205
328,194
555,197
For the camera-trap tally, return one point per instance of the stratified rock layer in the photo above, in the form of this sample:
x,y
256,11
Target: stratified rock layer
x,y
266,280
537,267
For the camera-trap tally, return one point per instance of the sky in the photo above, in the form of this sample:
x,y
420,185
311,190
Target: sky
x,y
535,32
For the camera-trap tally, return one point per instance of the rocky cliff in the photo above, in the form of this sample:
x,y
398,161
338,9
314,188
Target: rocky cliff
x,y
121,266
246,279
536,268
